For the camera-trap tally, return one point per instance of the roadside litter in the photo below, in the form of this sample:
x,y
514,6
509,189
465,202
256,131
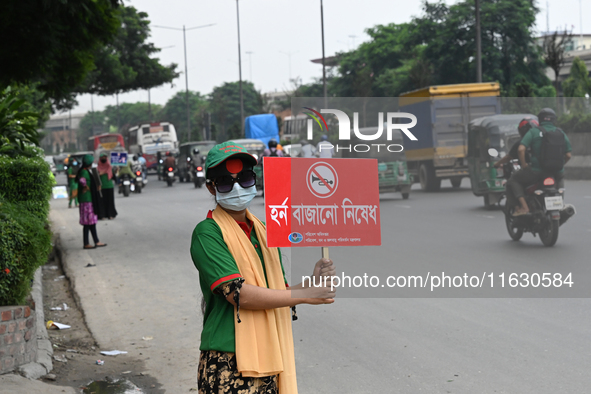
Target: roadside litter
x,y
112,352
60,308
100,362
147,338
61,358
59,278
52,325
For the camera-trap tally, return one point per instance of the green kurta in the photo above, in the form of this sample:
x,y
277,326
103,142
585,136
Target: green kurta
x,y
106,182
216,265
86,196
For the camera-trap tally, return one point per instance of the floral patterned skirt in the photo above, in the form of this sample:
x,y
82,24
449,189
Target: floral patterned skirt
x,y
218,373
87,215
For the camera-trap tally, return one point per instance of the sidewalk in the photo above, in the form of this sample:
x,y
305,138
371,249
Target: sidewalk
x,y
16,384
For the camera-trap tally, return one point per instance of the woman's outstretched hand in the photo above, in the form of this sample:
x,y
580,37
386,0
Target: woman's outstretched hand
x,y
324,268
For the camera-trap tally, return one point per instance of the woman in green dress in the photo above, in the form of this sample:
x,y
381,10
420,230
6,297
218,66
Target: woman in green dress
x,y
73,185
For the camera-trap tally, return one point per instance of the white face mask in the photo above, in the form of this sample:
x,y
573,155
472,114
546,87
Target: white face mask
x,y
237,199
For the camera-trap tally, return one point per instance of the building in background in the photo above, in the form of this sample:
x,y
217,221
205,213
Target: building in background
x,y
61,134
579,46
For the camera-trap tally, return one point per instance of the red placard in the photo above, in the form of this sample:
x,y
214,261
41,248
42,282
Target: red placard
x,y
321,202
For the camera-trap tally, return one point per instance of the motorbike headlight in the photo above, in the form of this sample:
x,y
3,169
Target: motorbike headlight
x,y
561,190
538,192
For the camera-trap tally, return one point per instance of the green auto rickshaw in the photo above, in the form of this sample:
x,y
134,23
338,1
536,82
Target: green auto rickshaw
x,y
489,139
393,172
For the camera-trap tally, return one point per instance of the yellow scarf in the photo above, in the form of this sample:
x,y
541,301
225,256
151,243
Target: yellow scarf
x,y
264,340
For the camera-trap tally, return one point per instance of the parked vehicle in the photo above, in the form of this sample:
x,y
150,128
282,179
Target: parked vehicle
x,y
498,132
443,114
191,155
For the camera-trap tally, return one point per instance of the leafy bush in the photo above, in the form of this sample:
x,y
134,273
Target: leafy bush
x,y
18,128
26,181
25,243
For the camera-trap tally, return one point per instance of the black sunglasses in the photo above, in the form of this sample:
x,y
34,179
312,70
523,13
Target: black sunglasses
x,y
225,184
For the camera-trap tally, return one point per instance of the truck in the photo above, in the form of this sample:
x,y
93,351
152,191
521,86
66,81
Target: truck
x,y
443,115
262,127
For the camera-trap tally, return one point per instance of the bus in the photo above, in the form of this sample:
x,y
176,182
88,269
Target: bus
x,y
294,127
105,142
151,138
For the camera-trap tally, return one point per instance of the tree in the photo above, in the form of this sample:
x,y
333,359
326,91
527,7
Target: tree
x,y
578,83
225,108
129,114
439,47
18,128
53,42
125,64
175,111
554,49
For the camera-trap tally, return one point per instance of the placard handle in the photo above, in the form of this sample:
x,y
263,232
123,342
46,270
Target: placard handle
x,y
325,252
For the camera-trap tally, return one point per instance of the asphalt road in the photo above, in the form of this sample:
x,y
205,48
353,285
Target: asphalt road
x,y
371,340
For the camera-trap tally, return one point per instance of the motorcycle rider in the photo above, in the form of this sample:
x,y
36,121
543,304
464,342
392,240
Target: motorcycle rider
x,y
524,126
308,150
530,174
144,165
272,151
324,148
124,170
169,162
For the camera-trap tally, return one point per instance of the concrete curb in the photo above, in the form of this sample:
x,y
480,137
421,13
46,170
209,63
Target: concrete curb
x,y
43,365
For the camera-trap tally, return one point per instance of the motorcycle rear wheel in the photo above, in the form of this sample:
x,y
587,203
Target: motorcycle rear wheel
x,y
126,191
514,232
169,181
549,234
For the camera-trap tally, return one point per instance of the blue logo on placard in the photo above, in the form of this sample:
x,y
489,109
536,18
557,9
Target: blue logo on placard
x,y
295,238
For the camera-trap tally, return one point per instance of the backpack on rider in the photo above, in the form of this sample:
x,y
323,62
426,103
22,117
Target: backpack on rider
x,y
553,147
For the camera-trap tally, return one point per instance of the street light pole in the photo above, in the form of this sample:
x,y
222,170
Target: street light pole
x,y
323,57
186,70
240,71
478,45
249,53
187,87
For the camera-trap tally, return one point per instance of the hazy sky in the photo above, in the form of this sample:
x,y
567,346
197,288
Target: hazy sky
x,y
273,29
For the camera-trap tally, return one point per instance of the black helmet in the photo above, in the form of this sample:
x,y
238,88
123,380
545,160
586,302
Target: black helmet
x,y
135,157
526,124
547,115
272,144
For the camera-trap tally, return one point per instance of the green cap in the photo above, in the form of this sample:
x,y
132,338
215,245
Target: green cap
x,y
225,150
87,160
103,154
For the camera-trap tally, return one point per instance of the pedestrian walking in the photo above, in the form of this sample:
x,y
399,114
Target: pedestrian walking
x,y
325,148
308,150
72,184
105,170
89,200
246,342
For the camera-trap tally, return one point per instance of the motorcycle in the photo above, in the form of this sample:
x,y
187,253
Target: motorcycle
x,y
139,181
547,209
126,186
198,176
169,175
